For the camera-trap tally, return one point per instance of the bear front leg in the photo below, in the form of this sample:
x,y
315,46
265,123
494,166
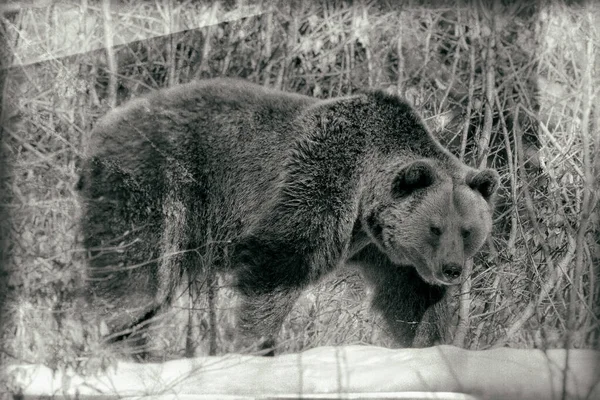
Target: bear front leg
x,y
404,300
401,297
270,276
261,316
434,325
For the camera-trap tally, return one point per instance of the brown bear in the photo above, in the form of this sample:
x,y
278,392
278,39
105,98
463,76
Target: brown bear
x,y
281,189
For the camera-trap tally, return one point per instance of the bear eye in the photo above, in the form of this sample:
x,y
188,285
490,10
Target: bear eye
x,y
435,231
465,233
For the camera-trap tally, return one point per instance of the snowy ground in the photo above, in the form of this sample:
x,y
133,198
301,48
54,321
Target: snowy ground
x,y
350,372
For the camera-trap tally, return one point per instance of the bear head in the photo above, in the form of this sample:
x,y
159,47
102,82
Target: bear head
x,y
428,218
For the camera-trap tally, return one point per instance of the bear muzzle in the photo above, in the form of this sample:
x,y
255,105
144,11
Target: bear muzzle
x,y
450,273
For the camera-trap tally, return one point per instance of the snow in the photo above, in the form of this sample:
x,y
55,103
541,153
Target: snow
x,y
441,372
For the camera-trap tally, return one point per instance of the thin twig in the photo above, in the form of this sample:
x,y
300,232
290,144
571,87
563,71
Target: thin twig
x,y
489,83
469,111
111,57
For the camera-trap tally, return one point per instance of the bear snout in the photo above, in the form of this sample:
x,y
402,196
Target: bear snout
x,y
451,273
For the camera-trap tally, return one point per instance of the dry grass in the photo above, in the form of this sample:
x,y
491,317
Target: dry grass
x,y
496,78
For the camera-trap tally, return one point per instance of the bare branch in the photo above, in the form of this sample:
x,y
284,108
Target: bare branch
x,y
111,57
489,84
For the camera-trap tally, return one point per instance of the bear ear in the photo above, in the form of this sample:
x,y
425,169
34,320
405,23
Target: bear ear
x,y
416,175
485,182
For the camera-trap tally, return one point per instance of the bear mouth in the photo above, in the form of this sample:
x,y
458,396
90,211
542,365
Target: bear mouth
x,y
443,280
435,276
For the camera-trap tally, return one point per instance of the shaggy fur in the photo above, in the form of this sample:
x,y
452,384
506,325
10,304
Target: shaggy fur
x,y
281,189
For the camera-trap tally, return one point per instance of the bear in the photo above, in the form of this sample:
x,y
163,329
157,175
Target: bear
x,y
281,189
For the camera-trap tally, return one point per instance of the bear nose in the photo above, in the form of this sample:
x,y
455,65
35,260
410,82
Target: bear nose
x,y
452,271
